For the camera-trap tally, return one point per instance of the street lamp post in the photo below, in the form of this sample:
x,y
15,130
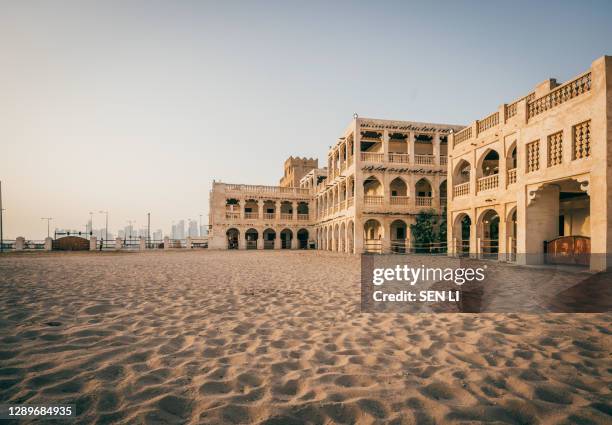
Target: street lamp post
x,y
48,221
1,214
91,223
106,224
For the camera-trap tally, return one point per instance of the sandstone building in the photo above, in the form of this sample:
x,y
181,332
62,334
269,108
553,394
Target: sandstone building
x,y
532,182
379,175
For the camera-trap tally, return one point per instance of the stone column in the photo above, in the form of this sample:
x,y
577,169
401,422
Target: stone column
x,y
260,240
294,240
48,244
19,243
277,209
93,243
294,209
118,244
410,141
385,145
277,240
241,241
436,148
166,242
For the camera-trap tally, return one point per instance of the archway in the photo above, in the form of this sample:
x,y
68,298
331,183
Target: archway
x,y
488,172
302,236
251,209
269,237
443,194
269,210
488,232
423,193
373,234
286,237
399,192
233,236
511,235
399,236
232,208
336,238
342,238
461,233
372,191
251,237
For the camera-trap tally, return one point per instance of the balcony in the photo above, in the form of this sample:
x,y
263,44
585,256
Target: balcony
x,y
251,215
402,158
424,159
443,160
488,183
512,176
373,200
349,202
372,157
232,215
286,216
423,201
302,217
462,189
269,216
400,200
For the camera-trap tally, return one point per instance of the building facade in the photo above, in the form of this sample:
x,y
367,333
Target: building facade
x,y
532,182
379,175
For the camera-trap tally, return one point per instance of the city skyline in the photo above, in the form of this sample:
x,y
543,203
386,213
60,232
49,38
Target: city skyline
x,y
144,117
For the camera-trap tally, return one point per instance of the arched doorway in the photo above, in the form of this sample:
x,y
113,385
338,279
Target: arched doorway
x,y
286,237
233,236
269,237
302,236
461,179
489,234
251,237
423,193
372,236
461,233
399,192
372,191
399,234
511,235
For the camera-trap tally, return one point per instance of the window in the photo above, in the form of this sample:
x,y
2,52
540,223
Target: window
x,y
555,149
581,140
533,156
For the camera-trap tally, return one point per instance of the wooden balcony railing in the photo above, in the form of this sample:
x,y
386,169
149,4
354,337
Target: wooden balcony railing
x,y
462,189
302,217
269,216
443,160
251,215
232,215
488,183
349,202
286,216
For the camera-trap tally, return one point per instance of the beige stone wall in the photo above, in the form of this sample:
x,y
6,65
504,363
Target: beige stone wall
x,y
546,119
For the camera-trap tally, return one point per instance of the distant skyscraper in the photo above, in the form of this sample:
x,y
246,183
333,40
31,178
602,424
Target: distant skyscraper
x,y
157,235
193,228
178,230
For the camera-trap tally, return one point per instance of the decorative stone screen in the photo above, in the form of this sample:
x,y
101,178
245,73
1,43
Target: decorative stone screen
x,y
582,140
533,156
555,149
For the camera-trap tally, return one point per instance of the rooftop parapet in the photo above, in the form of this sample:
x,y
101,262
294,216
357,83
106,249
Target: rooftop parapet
x,y
262,189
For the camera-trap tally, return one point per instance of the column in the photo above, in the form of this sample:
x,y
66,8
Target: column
x,y
242,241
277,209
436,148
93,243
48,244
294,239
277,240
260,240
410,141
385,145
294,210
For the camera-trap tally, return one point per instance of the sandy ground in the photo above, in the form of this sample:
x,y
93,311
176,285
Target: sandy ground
x,y
278,338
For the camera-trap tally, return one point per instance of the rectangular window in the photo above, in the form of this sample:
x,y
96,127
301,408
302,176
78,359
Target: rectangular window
x,y
533,156
555,149
581,140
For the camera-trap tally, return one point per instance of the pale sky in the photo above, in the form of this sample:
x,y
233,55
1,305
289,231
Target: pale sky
x,y
136,106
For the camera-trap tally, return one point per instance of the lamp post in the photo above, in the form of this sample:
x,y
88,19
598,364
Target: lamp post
x,y
200,228
105,225
91,223
48,221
